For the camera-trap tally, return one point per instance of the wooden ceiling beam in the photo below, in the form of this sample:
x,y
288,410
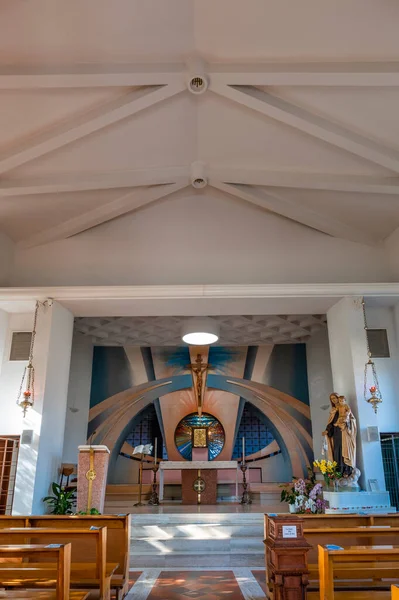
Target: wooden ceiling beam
x,y
296,212
127,203
309,123
86,124
80,182
309,181
82,76
342,74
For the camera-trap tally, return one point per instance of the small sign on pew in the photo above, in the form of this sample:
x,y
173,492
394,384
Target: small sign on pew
x,y
53,545
289,531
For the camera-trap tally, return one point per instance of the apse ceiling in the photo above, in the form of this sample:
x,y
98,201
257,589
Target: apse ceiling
x,y
166,331
294,110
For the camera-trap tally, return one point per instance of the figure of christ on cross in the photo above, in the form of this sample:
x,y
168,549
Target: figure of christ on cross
x,y
199,371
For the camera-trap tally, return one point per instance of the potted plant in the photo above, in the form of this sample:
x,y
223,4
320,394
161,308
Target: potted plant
x,y
304,495
89,511
61,502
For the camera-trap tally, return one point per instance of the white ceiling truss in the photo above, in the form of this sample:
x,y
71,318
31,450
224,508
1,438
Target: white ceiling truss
x,y
234,330
250,87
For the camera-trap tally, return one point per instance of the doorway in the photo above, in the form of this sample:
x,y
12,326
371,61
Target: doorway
x,y
9,448
390,459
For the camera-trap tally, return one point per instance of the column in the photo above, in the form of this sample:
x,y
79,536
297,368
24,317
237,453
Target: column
x,y
320,385
40,460
79,388
348,351
4,317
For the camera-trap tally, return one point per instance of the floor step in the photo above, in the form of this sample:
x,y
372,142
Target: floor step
x,y
214,539
182,545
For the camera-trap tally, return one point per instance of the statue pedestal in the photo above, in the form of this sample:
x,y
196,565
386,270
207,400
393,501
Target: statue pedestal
x,y
340,503
92,477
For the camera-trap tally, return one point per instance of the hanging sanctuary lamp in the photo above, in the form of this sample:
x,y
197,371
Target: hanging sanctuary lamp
x,y
26,394
372,393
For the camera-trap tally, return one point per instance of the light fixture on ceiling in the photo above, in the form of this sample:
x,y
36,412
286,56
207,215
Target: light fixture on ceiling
x,y
200,331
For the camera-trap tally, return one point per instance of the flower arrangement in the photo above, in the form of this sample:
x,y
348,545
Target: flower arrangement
x,y
304,495
329,470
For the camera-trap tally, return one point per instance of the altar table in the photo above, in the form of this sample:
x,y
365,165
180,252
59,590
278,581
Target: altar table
x,y
202,465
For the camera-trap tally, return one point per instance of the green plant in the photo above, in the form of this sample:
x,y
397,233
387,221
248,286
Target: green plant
x,y
89,511
61,502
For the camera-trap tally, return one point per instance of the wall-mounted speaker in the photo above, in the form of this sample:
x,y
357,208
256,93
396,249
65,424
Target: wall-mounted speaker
x,y
27,436
373,434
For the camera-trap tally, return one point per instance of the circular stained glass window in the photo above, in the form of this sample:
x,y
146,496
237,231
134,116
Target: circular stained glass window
x,y
193,424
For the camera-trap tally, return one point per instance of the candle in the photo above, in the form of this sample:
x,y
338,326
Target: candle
x,y
156,450
243,449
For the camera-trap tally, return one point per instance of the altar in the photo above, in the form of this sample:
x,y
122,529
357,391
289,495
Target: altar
x,y
199,478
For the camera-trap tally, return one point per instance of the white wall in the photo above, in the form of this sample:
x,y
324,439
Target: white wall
x,y
7,250
192,239
320,385
11,374
391,245
78,397
54,343
348,351
387,370
38,461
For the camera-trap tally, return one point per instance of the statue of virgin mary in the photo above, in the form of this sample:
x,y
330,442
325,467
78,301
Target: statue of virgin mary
x,y
340,435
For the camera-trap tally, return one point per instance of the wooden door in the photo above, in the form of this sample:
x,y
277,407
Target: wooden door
x,y
9,447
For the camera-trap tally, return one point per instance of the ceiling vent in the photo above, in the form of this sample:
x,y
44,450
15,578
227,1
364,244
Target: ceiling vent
x,y
199,183
197,175
20,345
378,342
197,84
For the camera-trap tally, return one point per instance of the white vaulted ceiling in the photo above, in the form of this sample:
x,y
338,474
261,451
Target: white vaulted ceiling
x,y
299,118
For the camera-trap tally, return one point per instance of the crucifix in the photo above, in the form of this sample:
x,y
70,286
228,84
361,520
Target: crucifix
x,y
199,372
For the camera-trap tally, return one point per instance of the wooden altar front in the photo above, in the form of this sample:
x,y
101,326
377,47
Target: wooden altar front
x,y
199,479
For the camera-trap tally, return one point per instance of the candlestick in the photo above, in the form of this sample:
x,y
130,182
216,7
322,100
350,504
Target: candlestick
x,y
156,450
243,449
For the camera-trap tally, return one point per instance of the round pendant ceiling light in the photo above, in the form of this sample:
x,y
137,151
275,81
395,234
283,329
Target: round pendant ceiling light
x,y
200,331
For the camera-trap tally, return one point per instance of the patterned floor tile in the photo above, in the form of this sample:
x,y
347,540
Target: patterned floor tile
x,y
190,585
260,577
133,577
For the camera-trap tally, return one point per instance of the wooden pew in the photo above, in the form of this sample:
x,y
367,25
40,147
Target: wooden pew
x,y
118,538
344,521
348,536
353,532
62,557
356,563
40,595
89,567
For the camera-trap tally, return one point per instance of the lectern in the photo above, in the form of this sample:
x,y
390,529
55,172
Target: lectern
x,y
286,558
92,477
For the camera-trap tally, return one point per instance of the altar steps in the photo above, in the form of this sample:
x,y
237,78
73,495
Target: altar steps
x,y
201,540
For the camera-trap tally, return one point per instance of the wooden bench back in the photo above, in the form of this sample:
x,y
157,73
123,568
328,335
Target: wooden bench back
x,y
348,536
355,563
87,545
355,520
61,555
118,532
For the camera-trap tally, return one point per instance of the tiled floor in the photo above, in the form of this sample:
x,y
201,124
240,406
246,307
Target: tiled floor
x,y
260,577
133,577
208,584
212,585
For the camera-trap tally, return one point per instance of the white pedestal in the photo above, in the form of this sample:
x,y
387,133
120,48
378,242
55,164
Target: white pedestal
x,y
341,503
